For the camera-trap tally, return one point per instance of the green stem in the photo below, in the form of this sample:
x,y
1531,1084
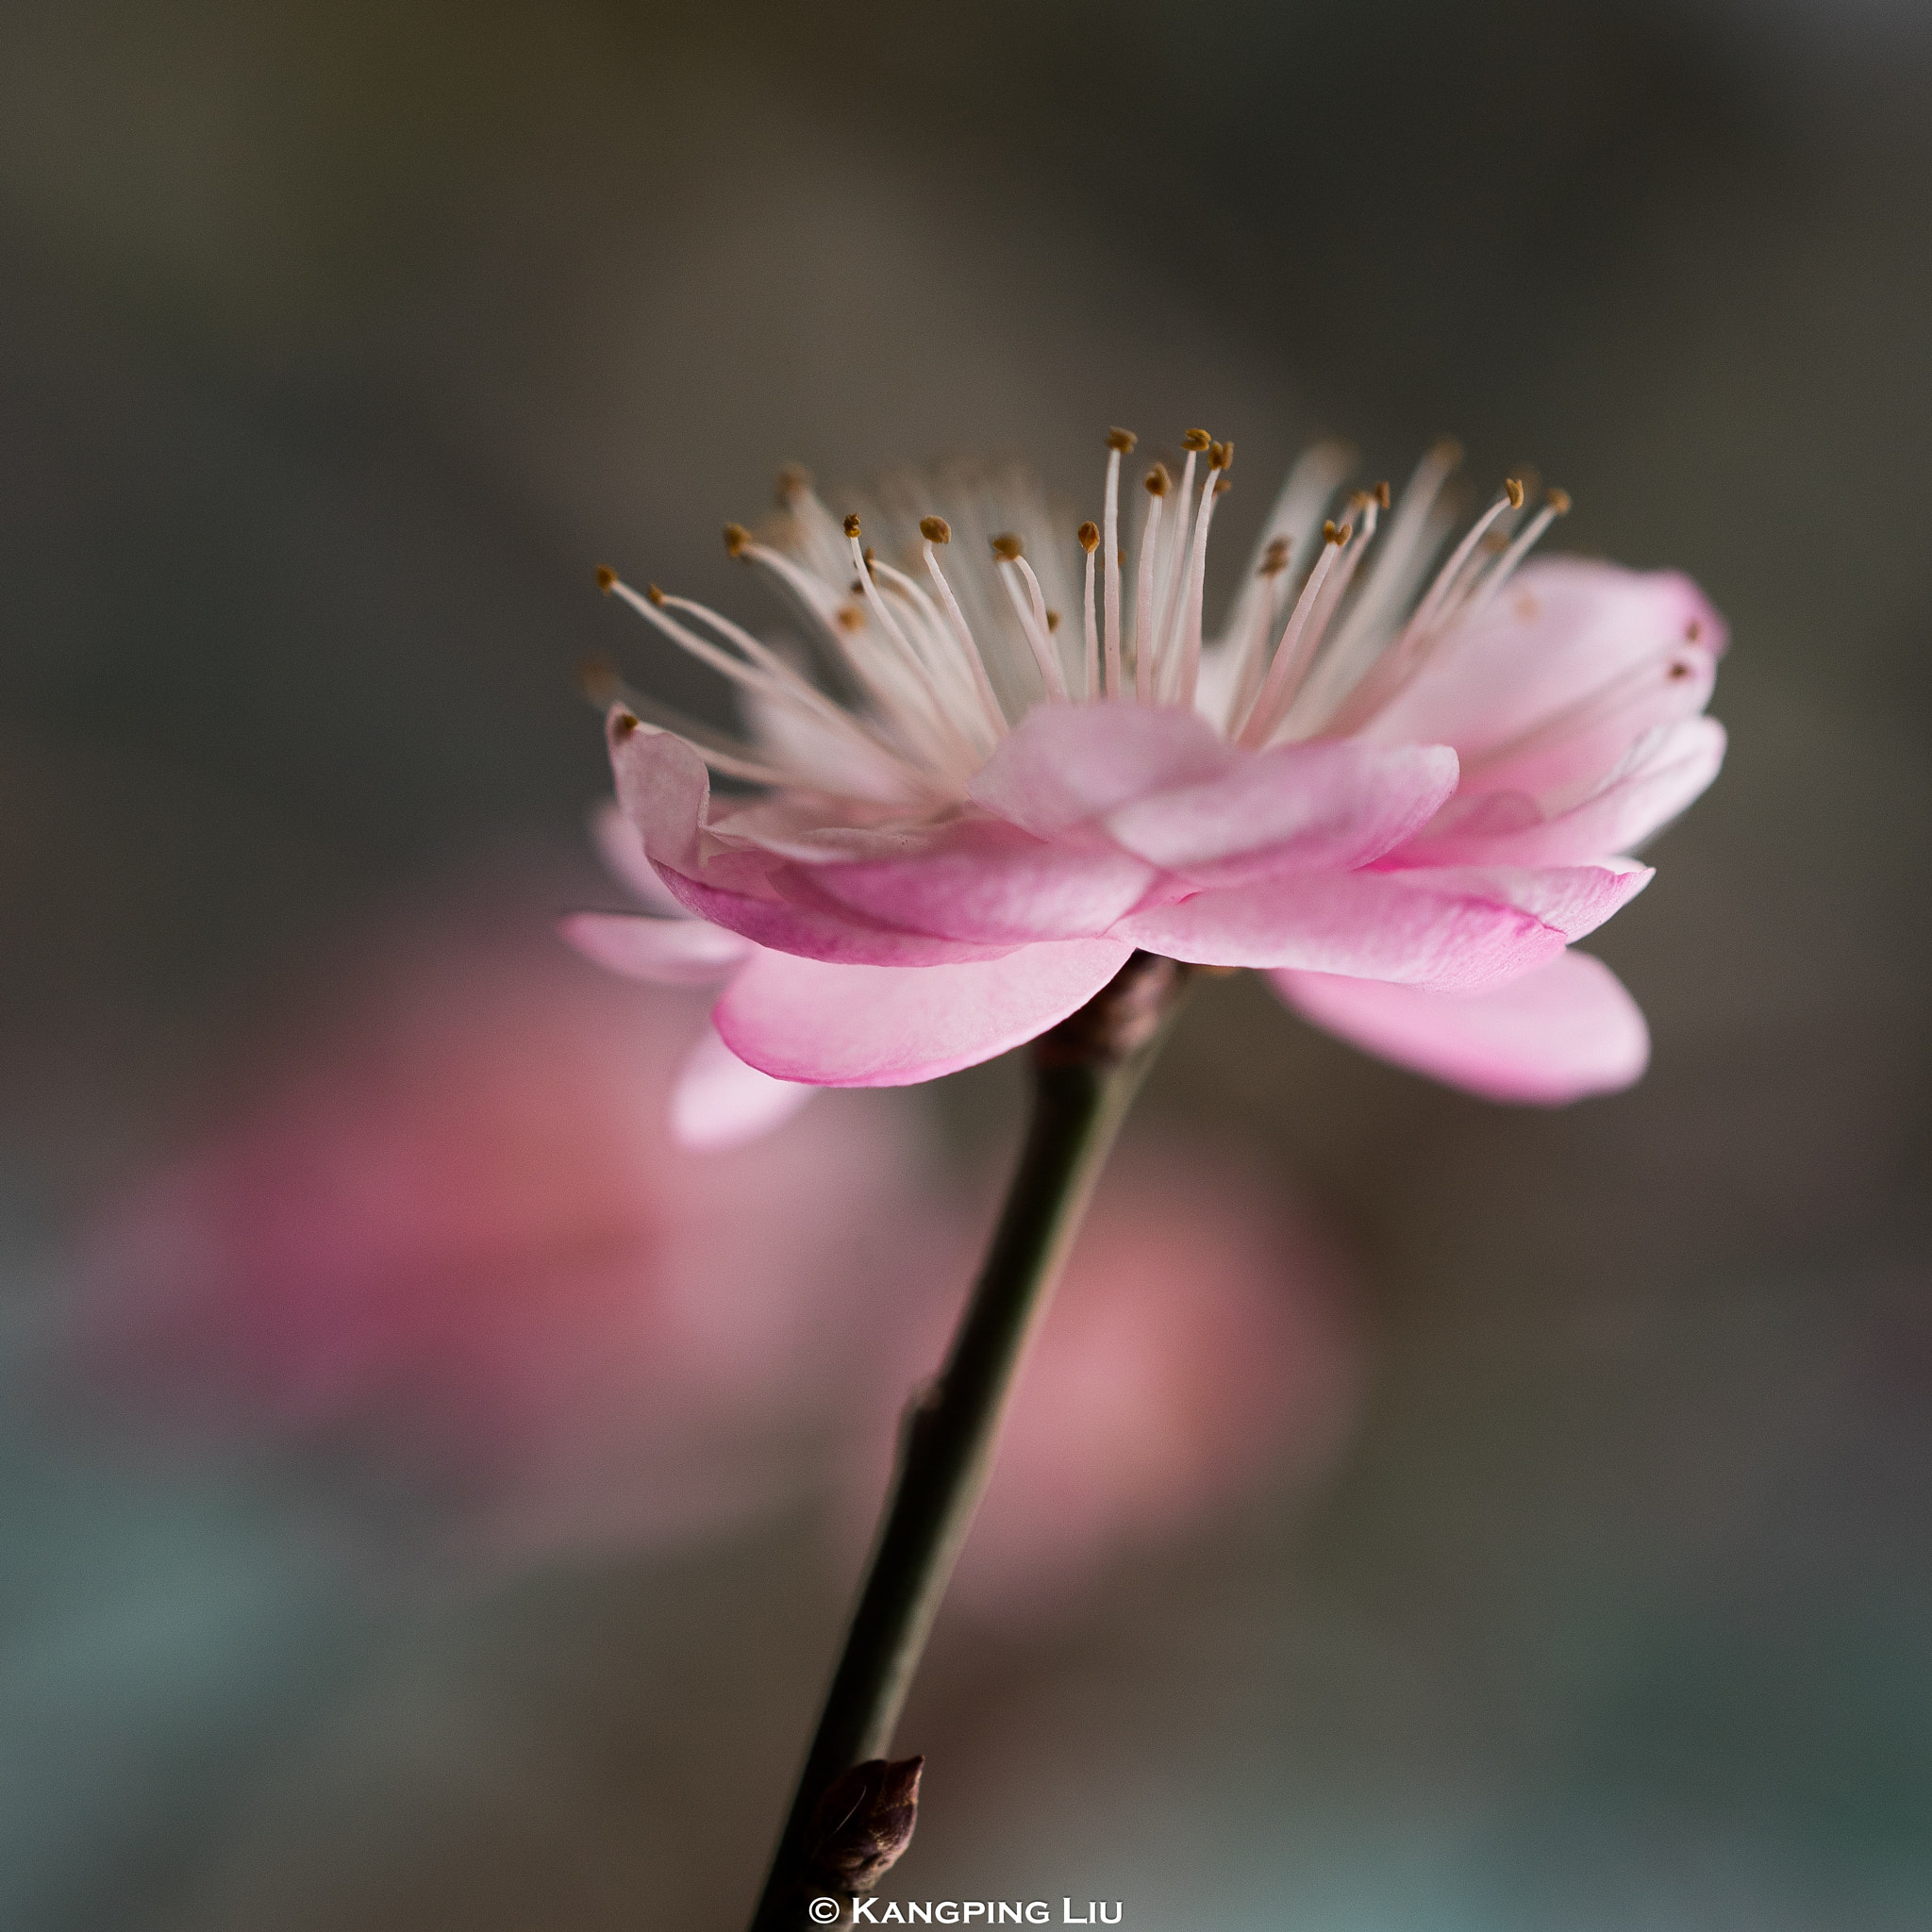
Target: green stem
x,y
1086,1073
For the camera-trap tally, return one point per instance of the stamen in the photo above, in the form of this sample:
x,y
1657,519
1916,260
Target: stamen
x,y
627,712
1284,674
936,530
1420,624
1556,504
1156,481
1175,555
948,732
1089,538
1021,593
1119,443
1219,458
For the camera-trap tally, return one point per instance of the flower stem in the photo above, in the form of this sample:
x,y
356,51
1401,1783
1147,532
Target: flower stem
x,y
1086,1073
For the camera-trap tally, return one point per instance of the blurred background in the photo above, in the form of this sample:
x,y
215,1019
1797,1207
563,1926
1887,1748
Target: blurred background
x,y
430,1501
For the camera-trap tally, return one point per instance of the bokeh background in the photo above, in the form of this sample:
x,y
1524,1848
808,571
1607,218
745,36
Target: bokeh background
x,y
1575,1570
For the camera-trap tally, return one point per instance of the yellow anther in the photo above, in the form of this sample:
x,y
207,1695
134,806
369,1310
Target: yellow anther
x,y
736,538
1559,501
606,578
852,526
936,529
1122,440
1513,489
1196,440
1008,548
1087,537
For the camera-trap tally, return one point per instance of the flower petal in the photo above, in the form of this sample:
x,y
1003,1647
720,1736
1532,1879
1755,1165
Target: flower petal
x,y
662,786
881,1027
1068,763
1576,899
1664,773
1565,1030
622,853
719,1101
671,952
790,914
1574,661
987,880
1295,809
1367,923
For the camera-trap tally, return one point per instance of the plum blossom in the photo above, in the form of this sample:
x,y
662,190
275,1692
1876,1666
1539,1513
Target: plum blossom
x,y
1402,793
440,1241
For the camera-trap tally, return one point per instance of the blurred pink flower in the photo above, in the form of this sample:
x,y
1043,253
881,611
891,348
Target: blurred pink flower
x,y
1199,1350
448,1233
1403,803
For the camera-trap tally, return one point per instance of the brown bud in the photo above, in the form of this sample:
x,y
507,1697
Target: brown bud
x,y
1008,547
936,529
1087,537
863,1823
1122,440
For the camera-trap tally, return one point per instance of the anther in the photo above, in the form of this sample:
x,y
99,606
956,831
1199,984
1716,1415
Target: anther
x,y
1053,620
1448,453
1380,493
1274,558
654,593
623,725
936,529
1692,632
1196,440
1343,535
1495,542
794,479
870,555
606,578
598,679
1219,456
1223,485
1122,440
851,617
1157,480
1009,548
1087,537
1330,534
852,526
1559,501
736,538
1513,489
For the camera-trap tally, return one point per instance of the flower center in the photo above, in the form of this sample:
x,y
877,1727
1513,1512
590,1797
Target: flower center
x,y
905,679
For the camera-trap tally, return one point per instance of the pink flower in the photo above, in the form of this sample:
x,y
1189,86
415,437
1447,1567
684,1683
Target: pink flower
x,y
1198,1350
1403,803
445,1236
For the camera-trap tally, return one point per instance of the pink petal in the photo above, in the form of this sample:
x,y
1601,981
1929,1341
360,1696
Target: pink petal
x,y
1360,922
1296,809
720,1102
882,1027
1565,1030
1576,899
990,881
1571,663
671,952
1068,763
622,853
1665,775
792,915
663,788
